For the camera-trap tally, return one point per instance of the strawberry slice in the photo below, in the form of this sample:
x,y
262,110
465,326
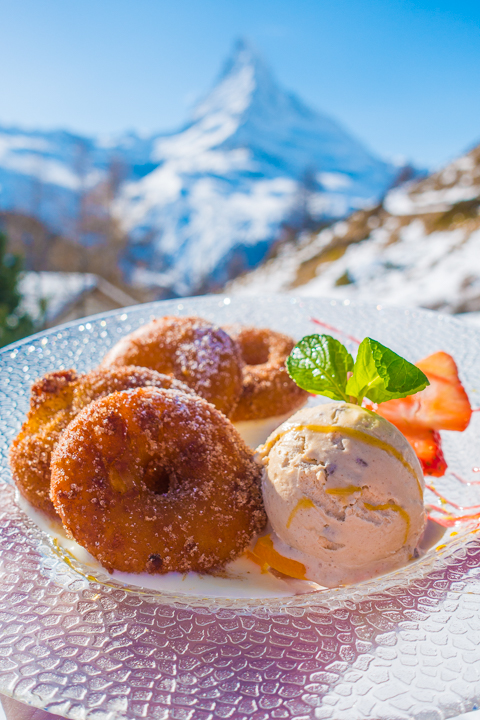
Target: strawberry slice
x,y
443,405
428,448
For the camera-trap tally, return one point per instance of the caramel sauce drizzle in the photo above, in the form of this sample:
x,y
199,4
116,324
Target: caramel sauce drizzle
x,y
349,490
302,503
396,508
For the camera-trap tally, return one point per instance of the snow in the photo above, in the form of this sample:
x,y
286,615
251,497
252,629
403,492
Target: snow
x,y
44,174
436,270
419,269
425,260
333,180
215,214
58,290
51,172
401,202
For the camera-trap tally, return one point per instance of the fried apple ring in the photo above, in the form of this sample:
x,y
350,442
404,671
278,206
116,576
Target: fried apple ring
x,y
267,391
191,349
55,400
157,481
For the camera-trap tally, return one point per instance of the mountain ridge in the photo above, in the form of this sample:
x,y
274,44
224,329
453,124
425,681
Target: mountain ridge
x,y
205,202
419,247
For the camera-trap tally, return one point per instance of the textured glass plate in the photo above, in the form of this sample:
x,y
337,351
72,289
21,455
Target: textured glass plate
x,y
406,645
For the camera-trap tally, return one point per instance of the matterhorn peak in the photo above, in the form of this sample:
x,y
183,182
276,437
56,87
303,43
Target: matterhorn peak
x,y
244,55
244,74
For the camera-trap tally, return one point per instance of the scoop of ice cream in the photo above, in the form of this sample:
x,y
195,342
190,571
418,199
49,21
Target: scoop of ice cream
x,y
343,490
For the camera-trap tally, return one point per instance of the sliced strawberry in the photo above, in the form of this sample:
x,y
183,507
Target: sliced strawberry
x,y
440,364
428,448
402,413
443,405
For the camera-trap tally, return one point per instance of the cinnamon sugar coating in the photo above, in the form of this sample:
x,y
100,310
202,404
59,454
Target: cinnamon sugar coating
x,y
55,400
267,389
157,481
191,349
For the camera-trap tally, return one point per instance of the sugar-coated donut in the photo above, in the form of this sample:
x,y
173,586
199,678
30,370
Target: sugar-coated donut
x,y
191,349
157,481
55,400
267,391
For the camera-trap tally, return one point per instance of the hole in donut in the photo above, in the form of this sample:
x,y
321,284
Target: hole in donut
x,y
255,350
157,478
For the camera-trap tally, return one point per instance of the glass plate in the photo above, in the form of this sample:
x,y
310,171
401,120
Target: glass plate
x,y
406,645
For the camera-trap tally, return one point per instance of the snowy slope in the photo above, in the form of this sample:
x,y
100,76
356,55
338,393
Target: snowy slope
x,y
420,247
40,174
226,182
46,174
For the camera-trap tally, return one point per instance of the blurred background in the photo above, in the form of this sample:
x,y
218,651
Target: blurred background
x,y
153,150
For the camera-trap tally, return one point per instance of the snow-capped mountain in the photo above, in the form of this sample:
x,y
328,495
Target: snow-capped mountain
x,y
420,247
226,182
205,203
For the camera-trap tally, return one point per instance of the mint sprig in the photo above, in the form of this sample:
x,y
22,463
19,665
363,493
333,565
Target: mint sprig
x,y
380,374
321,365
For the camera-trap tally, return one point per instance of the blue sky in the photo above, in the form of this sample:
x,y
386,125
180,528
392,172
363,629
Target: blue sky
x,y
403,76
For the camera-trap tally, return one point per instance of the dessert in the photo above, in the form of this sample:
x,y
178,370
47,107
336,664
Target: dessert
x,y
343,491
267,389
55,400
157,481
192,350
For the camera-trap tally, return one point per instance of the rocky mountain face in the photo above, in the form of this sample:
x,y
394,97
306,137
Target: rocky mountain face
x,y
205,203
419,247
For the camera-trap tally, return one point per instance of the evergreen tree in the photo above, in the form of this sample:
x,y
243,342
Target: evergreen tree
x,y
14,324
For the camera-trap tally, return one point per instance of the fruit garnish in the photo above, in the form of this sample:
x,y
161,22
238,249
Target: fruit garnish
x,y
321,365
443,405
427,445
267,554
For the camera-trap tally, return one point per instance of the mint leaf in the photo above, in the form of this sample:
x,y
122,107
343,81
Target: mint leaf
x,y
380,374
319,364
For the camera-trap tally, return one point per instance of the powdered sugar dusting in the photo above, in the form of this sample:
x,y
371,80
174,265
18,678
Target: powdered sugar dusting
x,y
191,349
207,514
